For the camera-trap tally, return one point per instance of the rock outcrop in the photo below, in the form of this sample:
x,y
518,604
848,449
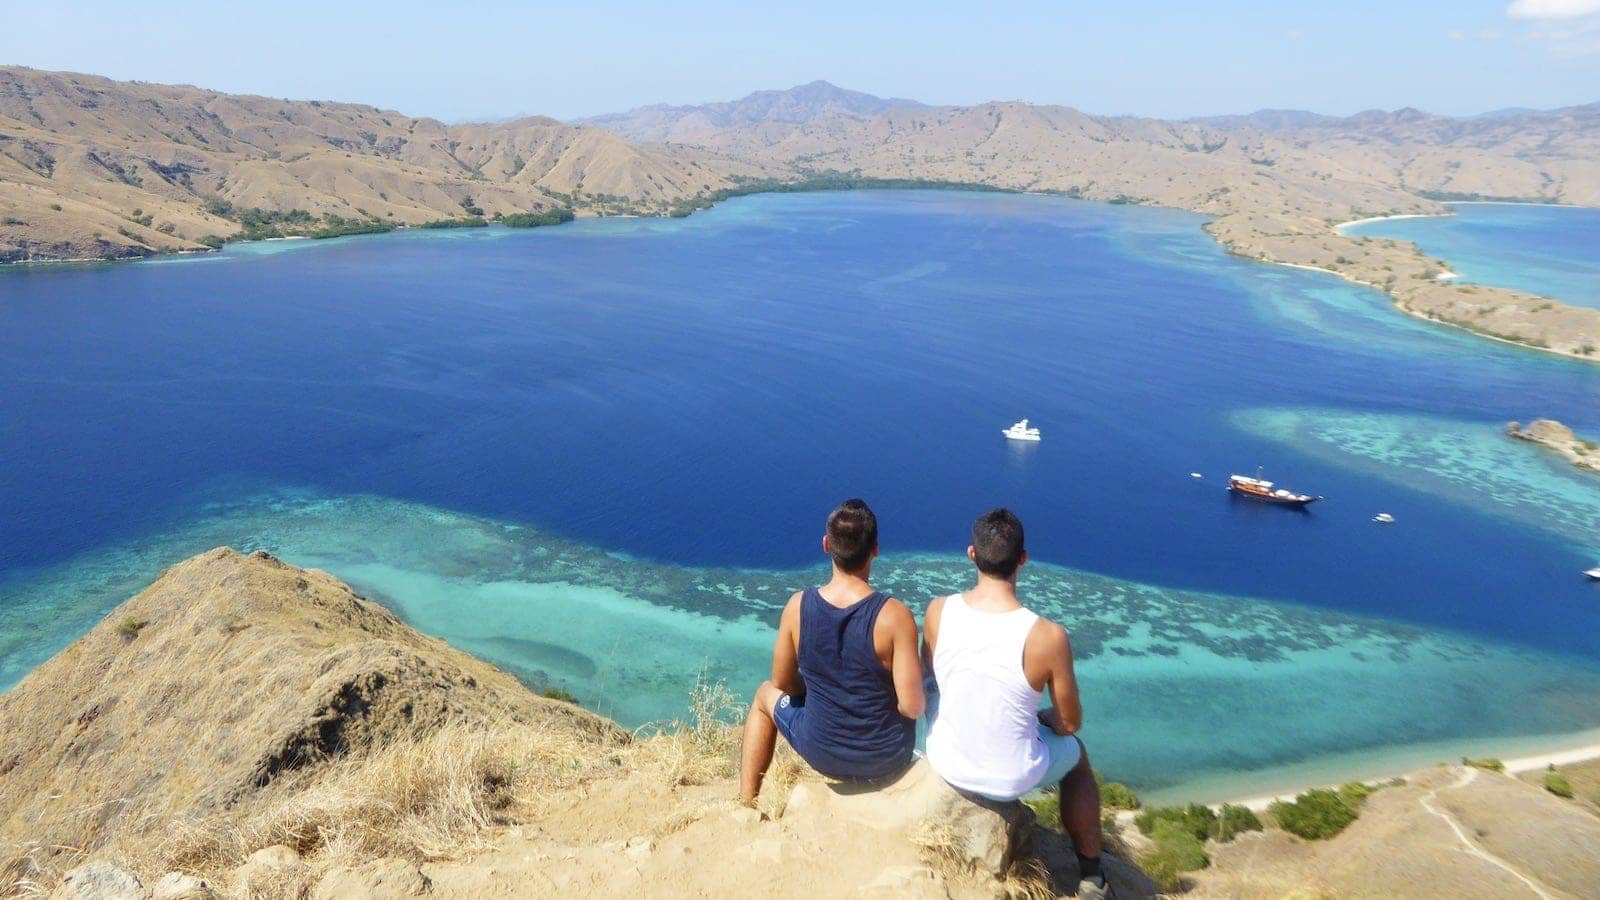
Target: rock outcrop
x,y
1553,435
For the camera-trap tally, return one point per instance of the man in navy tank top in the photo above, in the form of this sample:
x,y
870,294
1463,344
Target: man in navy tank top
x,y
846,686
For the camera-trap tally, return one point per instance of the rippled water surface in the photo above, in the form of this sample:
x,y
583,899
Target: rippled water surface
x,y
599,455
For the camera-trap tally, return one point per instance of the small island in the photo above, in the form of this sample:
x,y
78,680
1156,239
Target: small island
x,y
1553,435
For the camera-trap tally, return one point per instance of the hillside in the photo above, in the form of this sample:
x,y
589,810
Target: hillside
x,y
94,168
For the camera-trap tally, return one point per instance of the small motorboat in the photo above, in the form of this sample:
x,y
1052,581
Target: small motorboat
x,y
1195,475
1258,488
1593,574
1383,519
1021,432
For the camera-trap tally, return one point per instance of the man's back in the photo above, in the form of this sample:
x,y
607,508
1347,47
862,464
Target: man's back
x,y
853,721
986,736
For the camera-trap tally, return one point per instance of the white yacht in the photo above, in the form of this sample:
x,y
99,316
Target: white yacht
x,y
1593,574
1021,432
1383,519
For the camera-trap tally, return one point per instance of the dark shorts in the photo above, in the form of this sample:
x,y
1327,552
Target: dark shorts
x,y
789,715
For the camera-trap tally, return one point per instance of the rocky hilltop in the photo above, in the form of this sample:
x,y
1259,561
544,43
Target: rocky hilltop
x,y
247,728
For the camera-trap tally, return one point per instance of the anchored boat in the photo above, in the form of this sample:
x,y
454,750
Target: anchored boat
x,y
1258,488
1021,432
1593,574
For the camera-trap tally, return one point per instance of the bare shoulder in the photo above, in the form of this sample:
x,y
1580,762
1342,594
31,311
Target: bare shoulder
x,y
1050,636
896,614
791,610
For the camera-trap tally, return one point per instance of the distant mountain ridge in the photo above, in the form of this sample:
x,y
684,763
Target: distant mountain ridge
x,y
794,106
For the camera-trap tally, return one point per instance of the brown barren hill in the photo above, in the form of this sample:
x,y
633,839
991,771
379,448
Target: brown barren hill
x,y
230,680
92,168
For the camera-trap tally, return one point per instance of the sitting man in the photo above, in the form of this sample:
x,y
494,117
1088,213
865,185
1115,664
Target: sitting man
x,y
846,686
992,659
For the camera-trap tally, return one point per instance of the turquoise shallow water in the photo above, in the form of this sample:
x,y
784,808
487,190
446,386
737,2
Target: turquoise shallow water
x,y
1186,693
1545,250
600,455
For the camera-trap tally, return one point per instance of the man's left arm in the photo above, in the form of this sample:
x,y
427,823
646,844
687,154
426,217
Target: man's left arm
x,y
786,651
906,664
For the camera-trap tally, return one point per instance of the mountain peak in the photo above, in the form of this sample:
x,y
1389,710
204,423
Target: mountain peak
x,y
796,105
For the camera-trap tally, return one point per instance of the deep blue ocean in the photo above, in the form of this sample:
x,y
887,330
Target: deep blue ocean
x,y
601,455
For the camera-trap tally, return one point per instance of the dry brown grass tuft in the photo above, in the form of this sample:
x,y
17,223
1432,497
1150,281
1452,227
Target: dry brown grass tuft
x,y
1028,879
697,751
418,798
421,798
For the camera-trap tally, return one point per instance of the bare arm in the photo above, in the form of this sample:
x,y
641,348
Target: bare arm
x,y
786,651
1055,652
904,666
930,632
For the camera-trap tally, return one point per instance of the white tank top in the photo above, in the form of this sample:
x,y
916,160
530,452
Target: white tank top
x,y
986,736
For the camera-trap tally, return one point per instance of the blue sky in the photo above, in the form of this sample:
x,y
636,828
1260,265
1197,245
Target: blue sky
x,y
1171,59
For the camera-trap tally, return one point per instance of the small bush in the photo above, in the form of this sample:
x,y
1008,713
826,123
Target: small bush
x,y
1194,818
1314,815
1234,821
1176,851
1116,795
1487,763
1556,783
558,694
1046,806
1354,794
130,627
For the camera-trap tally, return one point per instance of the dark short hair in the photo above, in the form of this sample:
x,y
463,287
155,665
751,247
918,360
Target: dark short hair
x,y
852,534
997,542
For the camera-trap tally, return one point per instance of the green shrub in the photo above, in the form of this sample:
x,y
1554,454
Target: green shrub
x,y
1116,795
1314,815
130,627
1488,763
1195,818
1176,851
536,220
1556,783
468,222
1046,806
1354,794
1233,821
558,694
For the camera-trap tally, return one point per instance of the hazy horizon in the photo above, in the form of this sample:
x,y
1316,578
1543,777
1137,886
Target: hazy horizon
x,y
502,60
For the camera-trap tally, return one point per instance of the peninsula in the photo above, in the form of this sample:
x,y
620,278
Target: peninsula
x,y
96,169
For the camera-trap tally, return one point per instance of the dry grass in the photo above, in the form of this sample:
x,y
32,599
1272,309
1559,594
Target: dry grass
x,y
423,798
420,798
699,750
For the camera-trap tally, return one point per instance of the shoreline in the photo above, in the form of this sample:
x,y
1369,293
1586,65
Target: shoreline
x,y
1446,277
1339,228
1558,752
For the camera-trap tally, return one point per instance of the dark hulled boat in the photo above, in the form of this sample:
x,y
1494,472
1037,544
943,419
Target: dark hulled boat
x,y
1258,488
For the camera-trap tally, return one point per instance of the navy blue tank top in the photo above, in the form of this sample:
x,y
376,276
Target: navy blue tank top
x,y
852,724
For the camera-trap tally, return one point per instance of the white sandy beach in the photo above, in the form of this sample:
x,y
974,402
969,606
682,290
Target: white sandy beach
x,y
1343,225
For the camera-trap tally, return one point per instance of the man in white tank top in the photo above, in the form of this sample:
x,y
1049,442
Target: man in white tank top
x,y
992,659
